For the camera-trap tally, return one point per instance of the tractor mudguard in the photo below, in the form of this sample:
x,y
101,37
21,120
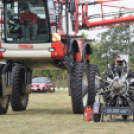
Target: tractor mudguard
x,y
87,49
72,44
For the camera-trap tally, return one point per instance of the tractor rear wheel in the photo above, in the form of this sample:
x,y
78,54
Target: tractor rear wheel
x,y
79,88
93,71
19,100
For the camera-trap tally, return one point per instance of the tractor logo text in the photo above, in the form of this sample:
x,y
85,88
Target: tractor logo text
x,y
25,46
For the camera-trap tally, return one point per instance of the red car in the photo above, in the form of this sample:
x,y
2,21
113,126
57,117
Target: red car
x,y
42,84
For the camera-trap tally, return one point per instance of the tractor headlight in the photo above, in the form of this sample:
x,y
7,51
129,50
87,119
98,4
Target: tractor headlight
x,y
51,49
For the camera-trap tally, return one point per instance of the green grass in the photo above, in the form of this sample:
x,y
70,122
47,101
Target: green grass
x,y
51,113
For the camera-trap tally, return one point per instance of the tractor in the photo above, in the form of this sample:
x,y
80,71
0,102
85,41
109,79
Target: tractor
x,y
55,45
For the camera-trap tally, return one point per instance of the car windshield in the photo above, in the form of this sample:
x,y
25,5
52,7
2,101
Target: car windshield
x,y
39,80
26,21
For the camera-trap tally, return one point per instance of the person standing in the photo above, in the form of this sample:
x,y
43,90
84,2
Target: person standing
x,y
117,58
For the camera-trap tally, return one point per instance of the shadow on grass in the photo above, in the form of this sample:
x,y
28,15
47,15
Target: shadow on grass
x,y
42,111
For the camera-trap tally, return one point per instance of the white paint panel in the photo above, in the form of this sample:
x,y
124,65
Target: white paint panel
x,y
27,54
40,46
38,51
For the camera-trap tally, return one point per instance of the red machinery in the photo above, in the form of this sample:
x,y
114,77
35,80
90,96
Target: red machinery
x,y
51,42
85,22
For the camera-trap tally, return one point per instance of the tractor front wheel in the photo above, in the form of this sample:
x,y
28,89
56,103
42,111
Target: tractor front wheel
x,y
79,87
19,100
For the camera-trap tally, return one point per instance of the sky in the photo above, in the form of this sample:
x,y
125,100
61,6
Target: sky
x,y
97,10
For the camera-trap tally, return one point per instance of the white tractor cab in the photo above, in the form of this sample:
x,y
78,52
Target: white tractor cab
x,y
15,42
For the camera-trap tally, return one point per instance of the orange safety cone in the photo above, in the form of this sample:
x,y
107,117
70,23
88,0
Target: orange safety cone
x,y
88,114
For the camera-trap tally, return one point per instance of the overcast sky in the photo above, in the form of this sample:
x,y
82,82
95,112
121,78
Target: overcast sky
x,y
97,10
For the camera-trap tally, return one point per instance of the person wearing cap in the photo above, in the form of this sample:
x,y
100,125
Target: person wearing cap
x,y
28,21
117,58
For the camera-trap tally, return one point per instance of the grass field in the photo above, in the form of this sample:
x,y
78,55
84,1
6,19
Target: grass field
x,y
51,113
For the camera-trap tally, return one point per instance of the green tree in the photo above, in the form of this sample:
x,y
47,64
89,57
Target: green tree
x,y
114,41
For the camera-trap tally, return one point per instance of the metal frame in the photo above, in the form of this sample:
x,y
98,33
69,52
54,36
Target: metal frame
x,y
87,24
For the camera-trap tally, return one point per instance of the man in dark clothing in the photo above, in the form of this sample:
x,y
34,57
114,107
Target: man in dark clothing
x,y
28,21
117,58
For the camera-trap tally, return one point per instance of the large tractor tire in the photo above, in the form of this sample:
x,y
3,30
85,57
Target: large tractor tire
x,y
4,101
19,100
79,88
93,71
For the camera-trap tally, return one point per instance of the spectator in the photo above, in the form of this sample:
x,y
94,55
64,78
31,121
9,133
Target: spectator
x,y
117,58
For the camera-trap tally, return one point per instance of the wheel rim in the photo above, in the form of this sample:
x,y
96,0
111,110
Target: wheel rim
x,y
97,82
3,101
23,98
84,90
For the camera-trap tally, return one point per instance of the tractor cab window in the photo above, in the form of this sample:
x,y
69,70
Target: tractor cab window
x,y
26,21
